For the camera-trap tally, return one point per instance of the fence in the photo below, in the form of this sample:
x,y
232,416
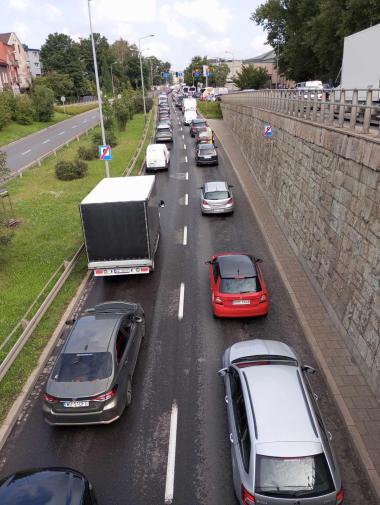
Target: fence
x,y
29,326
356,109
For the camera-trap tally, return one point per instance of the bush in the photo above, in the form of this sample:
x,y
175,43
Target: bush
x,y
122,112
24,111
87,152
43,101
69,170
4,170
5,110
110,138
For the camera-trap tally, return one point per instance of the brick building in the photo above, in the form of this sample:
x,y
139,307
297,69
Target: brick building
x,y
24,75
8,68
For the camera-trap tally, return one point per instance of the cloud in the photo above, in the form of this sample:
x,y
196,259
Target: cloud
x,y
51,12
122,11
21,30
159,49
19,5
258,44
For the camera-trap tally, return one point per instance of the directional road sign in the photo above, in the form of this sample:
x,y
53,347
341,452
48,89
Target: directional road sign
x,y
105,153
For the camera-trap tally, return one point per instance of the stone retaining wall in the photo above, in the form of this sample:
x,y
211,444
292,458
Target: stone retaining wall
x,y
323,185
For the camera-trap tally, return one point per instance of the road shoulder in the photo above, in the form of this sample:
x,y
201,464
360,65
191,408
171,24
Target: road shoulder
x,y
354,398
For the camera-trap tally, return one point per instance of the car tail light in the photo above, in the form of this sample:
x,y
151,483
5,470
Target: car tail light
x,y
247,498
99,272
105,396
340,496
218,300
205,203
50,399
263,298
230,201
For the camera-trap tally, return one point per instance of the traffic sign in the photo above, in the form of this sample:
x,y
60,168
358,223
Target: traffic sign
x,y
63,99
164,75
267,130
105,153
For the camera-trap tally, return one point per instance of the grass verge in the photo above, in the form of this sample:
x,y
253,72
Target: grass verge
x,y
50,229
14,131
210,110
75,109
140,159
23,366
46,205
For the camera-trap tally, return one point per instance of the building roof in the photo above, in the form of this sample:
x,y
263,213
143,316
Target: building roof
x,y
4,37
268,57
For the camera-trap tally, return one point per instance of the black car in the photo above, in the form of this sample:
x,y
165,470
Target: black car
x,y
205,154
91,382
196,125
46,486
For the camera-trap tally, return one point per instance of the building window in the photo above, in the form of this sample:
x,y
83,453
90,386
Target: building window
x,y
36,64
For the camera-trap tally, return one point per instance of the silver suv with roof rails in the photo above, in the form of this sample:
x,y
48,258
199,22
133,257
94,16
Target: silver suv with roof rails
x,y
281,452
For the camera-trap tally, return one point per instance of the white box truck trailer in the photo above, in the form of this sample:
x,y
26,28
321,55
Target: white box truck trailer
x,y
121,225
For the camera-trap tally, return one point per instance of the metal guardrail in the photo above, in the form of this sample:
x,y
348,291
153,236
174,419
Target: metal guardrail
x,y
68,266
355,109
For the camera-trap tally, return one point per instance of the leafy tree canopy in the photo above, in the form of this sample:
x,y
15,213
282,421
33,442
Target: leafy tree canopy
x,y
251,77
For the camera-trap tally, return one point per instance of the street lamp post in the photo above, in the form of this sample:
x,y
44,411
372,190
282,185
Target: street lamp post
x,y
98,87
141,70
113,86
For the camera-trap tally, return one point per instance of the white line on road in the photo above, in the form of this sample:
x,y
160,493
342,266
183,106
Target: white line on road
x,y
183,136
75,126
26,152
186,159
84,121
185,235
187,176
169,487
181,130
181,301
184,146
61,133
186,199
46,141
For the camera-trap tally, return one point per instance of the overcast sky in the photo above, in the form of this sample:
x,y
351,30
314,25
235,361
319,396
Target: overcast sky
x,y
182,28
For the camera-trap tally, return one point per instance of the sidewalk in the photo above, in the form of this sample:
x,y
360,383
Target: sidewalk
x,y
358,405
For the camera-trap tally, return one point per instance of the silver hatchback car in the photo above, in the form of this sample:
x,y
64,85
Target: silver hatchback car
x,y
216,198
281,453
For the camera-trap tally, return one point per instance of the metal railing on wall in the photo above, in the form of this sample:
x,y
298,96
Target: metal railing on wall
x,y
355,109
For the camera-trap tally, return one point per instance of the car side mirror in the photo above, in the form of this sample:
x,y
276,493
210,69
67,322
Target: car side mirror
x,y
208,262
308,369
258,260
161,204
231,186
70,322
138,319
223,372
169,149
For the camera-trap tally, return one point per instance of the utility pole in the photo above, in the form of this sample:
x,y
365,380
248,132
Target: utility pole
x,y
98,88
142,75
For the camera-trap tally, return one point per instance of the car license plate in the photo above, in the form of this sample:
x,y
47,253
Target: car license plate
x,y
207,157
218,210
241,302
76,404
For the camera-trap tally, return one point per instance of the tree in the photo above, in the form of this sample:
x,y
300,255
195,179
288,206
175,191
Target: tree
x,y
251,77
6,108
24,113
309,34
43,102
61,84
61,54
218,74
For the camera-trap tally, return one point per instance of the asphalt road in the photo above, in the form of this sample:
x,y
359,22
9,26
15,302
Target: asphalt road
x,y
29,149
127,461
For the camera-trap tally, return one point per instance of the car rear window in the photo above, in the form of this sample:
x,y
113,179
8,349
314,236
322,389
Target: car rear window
x,y
82,367
199,124
164,130
216,195
238,286
293,477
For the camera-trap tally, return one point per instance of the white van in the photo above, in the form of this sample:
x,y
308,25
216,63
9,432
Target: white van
x,y
188,116
157,157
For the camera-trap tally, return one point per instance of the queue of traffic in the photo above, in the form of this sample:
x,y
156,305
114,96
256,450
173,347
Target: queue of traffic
x,y
280,448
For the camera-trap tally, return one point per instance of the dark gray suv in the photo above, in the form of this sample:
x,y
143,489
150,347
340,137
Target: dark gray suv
x,y
281,452
91,382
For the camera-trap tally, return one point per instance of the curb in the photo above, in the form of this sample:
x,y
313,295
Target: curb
x,y
352,429
13,415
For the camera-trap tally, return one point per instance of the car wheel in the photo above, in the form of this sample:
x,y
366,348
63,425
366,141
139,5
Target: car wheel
x,y
128,400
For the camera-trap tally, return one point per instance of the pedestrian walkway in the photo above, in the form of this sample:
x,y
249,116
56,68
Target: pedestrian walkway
x,y
358,405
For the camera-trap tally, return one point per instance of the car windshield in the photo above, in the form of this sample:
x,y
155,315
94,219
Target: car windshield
x,y
82,367
216,195
238,286
293,477
199,124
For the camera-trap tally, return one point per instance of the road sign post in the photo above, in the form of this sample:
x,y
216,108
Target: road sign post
x,y
267,131
63,100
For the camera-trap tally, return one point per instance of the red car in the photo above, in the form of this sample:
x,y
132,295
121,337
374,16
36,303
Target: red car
x,y
237,286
